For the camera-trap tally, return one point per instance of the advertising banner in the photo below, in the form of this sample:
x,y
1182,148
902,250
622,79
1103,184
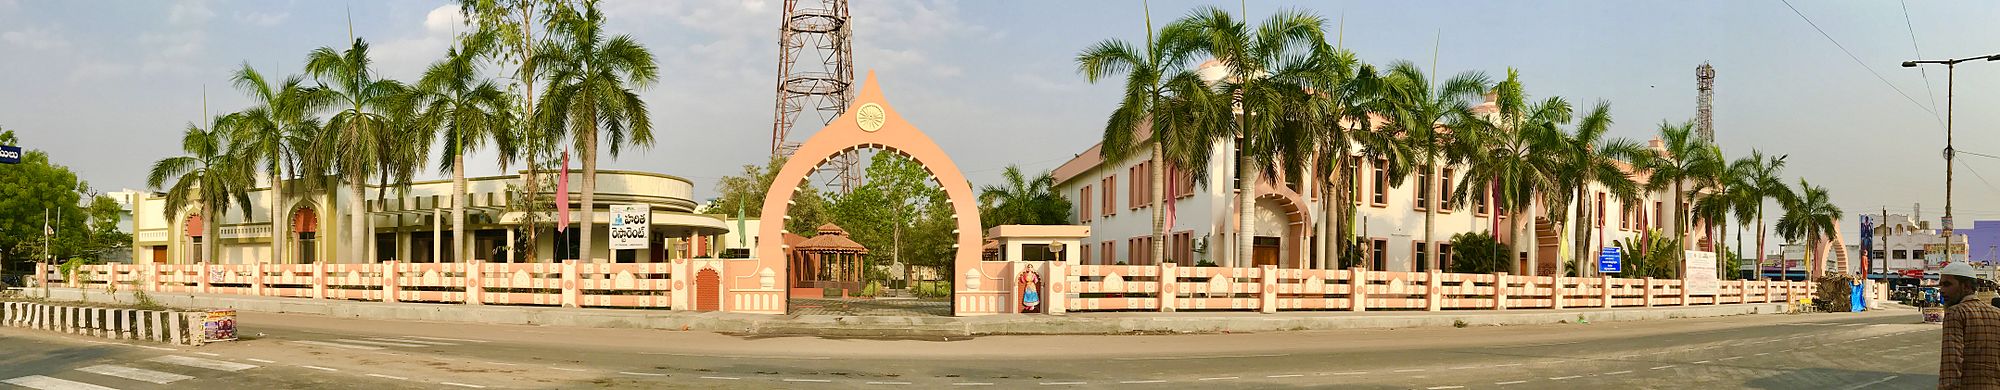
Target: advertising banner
x,y
1700,278
631,226
10,155
219,325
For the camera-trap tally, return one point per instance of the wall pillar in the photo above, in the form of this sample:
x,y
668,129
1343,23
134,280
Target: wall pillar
x,y
571,295
1604,291
1649,291
1500,291
257,279
1055,296
1169,286
1434,291
390,271
1357,287
151,271
510,246
1684,290
1269,291
202,273
475,283
319,280
437,236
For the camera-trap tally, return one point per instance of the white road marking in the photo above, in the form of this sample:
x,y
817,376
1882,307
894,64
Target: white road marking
x,y
1876,382
206,353
641,373
1628,356
1202,357
203,363
1662,367
381,343
973,384
1618,372
389,377
1464,367
318,368
1761,354
888,383
568,369
1702,362
1064,383
1346,373
1509,383
1284,376
1507,365
1219,378
1730,358
1444,387
463,385
503,364
47,383
737,356
721,377
447,339
807,380
156,348
260,360
1142,382
136,374
393,340
336,345
1566,377
1410,370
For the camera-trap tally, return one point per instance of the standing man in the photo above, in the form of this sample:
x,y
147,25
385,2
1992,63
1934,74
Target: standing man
x,y
1970,358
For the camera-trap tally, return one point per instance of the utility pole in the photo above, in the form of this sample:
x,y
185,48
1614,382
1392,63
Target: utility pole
x,y
1951,69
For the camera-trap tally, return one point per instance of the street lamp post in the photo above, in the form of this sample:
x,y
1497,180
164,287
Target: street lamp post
x,y
1951,67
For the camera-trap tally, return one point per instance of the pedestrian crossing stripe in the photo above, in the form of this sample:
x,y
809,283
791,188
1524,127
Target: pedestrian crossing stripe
x,y
39,382
203,363
137,374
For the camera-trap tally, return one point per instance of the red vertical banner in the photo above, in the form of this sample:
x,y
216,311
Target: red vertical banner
x,y
562,195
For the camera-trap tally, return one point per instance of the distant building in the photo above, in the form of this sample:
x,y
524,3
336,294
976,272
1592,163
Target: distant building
x,y
1904,244
1983,241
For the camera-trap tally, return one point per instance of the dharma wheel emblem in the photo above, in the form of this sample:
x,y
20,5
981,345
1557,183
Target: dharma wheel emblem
x,y
870,117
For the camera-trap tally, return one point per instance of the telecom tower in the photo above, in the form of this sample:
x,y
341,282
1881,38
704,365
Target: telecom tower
x,y
1704,81
815,71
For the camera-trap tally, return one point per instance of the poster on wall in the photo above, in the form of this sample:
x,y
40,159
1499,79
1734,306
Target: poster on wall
x,y
631,226
219,325
1700,278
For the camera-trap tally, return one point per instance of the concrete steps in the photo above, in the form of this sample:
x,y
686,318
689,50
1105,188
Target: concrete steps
x,y
862,326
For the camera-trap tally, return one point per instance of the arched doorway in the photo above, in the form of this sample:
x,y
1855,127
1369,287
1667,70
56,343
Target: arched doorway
x,y
304,236
195,229
707,290
871,123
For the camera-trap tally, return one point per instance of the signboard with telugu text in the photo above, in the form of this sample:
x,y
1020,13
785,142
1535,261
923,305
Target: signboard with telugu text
x,y
10,155
1700,278
1611,260
631,226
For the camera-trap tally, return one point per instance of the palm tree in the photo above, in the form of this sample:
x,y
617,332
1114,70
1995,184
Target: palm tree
x,y
468,110
355,128
1267,67
1720,196
209,175
264,133
1422,112
591,88
1346,91
1162,95
1762,179
1685,161
1023,200
1518,157
1588,159
1810,215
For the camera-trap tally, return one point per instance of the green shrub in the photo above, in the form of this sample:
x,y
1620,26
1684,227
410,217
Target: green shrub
x,y
1479,253
932,289
872,289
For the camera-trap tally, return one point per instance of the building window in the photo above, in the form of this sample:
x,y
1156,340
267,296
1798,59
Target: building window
x,y
1111,195
1086,255
1444,256
1479,204
1624,218
1444,191
307,249
1658,214
1917,254
1422,259
1600,209
1423,190
1083,209
1877,254
1902,254
1380,191
1378,254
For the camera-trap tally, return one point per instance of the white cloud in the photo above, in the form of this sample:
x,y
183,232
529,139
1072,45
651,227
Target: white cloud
x,y
262,19
444,19
189,13
35,38
173,51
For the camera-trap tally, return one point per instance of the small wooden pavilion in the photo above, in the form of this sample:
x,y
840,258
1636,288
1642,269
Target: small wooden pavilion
x,y
827,262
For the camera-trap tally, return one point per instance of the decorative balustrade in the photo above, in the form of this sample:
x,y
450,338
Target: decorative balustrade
x,y
1269,289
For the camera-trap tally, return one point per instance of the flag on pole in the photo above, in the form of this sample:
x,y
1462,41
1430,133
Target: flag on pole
x,y
562,196
742,234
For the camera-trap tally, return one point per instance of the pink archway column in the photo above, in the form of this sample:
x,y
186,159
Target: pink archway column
x,y
870,122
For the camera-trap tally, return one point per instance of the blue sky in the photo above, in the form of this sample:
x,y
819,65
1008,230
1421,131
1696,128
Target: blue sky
x,y
107,86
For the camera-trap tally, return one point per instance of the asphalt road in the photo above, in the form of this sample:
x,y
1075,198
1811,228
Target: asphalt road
x,y
1810,351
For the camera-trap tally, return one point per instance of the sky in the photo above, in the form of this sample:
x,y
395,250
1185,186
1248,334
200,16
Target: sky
x,y
106,87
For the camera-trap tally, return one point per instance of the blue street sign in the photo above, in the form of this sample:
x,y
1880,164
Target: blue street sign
x,y
10,155
1610,260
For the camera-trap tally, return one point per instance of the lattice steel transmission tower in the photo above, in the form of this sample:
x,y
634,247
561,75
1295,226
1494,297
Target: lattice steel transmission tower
x,y
815,73
1704,84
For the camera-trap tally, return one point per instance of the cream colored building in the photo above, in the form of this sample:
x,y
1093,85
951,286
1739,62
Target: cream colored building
x,y
414,225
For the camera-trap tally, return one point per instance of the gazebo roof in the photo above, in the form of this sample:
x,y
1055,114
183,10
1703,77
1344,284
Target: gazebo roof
x,y
831,238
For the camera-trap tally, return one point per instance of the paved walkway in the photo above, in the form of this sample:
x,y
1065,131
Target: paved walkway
x,y
892,307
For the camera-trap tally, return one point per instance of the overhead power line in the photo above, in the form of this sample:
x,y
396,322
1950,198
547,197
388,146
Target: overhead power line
x,y
1912,27
1864,64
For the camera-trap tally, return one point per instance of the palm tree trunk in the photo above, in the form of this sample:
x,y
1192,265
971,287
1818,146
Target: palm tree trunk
x,y
1246,208
589,193
277,218
458,207
208,232
358,214
1680,231
1760,239
1583,222
1159,203
1430,210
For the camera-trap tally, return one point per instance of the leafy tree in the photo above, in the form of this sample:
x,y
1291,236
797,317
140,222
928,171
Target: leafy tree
x,y
1763,181
209,177
887,212
1687,160
513,25
1416,108
1651,254
1809,215
592,89
1518,157
1587,158
1478,253
1164,101
1348,91
1022,201
263,134
28,191
746,192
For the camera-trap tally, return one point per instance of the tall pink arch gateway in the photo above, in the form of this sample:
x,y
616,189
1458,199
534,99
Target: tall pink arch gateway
x,y
871,123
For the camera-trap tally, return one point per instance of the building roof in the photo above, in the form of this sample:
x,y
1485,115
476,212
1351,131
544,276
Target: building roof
x,y
831,238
